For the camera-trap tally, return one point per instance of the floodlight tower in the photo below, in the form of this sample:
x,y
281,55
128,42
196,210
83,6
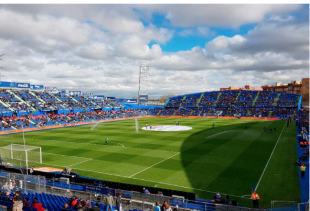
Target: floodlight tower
x,y
143,82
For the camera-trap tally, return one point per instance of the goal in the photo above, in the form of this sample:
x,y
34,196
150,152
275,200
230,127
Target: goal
x,y
21,155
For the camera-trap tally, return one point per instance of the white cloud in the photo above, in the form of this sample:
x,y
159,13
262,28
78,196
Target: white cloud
x,y
204,31
281,18
97,48
186,32
230,15
223,42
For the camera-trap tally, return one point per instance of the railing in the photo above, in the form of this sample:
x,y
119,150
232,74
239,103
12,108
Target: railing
x,y
137,200
283,206
303,206
25,183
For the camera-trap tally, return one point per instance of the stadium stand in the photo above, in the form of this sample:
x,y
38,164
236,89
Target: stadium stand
x,y
32,109
233,103
35,109
74,197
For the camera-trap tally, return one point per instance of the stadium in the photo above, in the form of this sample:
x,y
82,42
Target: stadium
x,y
244,149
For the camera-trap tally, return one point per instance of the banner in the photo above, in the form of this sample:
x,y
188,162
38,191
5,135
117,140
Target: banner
x,y
121,100
32,86
23,85
78,93
110,98
99,190
143,98
101,97
88,95
51,89
7,84
64,92
131,101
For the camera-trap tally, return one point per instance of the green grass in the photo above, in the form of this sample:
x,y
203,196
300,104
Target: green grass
x,y
227,158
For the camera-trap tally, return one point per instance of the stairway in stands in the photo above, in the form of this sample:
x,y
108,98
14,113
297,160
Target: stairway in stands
x,y
4,122
92,102
54,96
276,99
167,101
218,97
33,94
238,95
20,99
6,105
201,96
255,99
184,98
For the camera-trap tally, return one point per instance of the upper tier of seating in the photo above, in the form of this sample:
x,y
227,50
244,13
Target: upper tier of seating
x,y
235,99
26,100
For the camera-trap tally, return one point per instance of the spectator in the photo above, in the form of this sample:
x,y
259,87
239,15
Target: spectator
x,y
74,202
167,207
217,197
95,208
18,202
145,190
31,170
27,202
65,206
157,207
87,204
109,202
78,205
176,208
119,202
37,205
6,187
81,206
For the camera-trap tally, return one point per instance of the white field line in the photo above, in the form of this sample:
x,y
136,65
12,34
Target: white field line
x,y
64,155
86,159
218,133
89,159
269,158
121,144
69,142
153,165
94,125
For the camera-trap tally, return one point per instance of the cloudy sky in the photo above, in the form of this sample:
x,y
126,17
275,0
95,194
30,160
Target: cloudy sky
x,y
190,48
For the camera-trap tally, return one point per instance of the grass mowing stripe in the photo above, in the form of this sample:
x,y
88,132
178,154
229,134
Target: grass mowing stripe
x,y
219,133
71,142
153,165
270,156
203,164
197,189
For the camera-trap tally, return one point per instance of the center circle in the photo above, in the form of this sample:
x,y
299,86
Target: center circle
x,y
167,128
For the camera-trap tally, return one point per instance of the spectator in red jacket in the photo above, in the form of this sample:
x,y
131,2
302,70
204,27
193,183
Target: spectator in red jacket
x,y
74,202
27,202
37,205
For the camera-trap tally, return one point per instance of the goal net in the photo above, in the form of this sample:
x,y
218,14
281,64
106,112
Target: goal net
x,y
21,155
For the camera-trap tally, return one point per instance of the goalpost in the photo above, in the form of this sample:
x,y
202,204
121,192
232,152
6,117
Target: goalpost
x,y
21,155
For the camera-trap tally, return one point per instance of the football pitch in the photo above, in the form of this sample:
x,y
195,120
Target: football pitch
x,y
227,158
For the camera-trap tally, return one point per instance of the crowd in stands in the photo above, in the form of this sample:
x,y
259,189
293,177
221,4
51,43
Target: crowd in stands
x,y
29,121
235,98
32,100
302,123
